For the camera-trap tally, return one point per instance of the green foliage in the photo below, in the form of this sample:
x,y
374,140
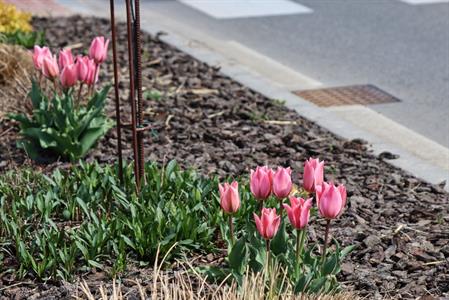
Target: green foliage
x,y
278,102
69,222
152,95
308,275
311,276
59,126
22,38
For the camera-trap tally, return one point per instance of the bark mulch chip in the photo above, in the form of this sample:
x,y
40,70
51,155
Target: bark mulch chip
x,y
206,120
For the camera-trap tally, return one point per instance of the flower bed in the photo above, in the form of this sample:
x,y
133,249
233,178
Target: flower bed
x,y
208,121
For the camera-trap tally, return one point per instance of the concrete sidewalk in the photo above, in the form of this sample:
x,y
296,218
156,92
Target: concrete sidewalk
x,y
41,7
417,154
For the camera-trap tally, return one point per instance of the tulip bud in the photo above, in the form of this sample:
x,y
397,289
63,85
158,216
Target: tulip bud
x,y
282,182
260,182
313,174
268,224
299,212
38,56
50,67
82,67
229,197
98,50
69,76
92,73
330,200
65,58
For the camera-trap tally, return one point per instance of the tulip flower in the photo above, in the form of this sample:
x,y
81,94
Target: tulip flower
x,y
330,200
313,174
38,56
282,182
230,202
82,67
299,212
50,67
69,76
65,58
98,50
229,197
268,223
92,72
260,182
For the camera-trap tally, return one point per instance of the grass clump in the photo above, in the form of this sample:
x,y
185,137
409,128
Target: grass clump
x,y
73,221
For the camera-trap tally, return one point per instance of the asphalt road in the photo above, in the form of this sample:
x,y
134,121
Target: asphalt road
x,y
401,48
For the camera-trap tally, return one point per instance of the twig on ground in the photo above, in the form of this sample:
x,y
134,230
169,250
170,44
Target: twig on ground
x,y
279,122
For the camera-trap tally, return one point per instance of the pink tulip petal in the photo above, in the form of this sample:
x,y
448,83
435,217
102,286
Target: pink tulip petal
x,y
259,225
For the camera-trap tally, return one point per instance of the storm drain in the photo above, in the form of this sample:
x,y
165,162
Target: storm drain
x,y
347,95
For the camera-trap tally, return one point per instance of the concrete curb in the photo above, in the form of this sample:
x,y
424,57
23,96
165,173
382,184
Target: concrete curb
x,y
325,118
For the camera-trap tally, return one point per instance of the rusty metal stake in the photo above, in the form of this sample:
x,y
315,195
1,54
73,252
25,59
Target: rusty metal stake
x,y
131,92
138,70
116,90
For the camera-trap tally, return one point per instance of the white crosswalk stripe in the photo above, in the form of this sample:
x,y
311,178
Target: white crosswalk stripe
x,y
227,9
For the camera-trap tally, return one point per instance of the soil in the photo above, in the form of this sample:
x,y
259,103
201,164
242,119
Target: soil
x,y
208,121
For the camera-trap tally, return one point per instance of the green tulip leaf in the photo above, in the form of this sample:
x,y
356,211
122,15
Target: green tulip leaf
x,y
330,265
317,285
346,251
238,256
279,243
302,283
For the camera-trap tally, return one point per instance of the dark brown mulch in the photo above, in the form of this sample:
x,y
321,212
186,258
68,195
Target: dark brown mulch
x,y
209,121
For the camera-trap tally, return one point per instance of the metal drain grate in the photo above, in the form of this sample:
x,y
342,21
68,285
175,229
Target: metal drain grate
x,y
347,95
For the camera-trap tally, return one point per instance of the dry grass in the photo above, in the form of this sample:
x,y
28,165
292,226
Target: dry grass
x,y
182,288
192,286
16,69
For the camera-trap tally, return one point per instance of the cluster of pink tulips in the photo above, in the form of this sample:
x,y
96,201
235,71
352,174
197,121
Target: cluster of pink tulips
x,y
264,182
67,68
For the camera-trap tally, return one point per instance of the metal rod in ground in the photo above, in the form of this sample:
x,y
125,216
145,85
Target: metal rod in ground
x,y
138,73
131,93
116,90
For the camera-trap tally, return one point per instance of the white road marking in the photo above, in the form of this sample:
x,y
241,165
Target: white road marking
x,y
227,9
417,2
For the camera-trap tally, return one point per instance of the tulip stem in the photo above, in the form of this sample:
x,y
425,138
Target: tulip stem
x,y
95,76
79,95
55,85
268,254
281,208
231,230
300,238
40,80
326,237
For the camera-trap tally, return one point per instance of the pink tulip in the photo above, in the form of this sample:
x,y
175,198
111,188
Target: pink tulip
x,y
282,182
65,58
98,50
330,199
69,76
38,56
313,174
92,72
299,212
50,67
82,67
260,182
268,223
229,197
